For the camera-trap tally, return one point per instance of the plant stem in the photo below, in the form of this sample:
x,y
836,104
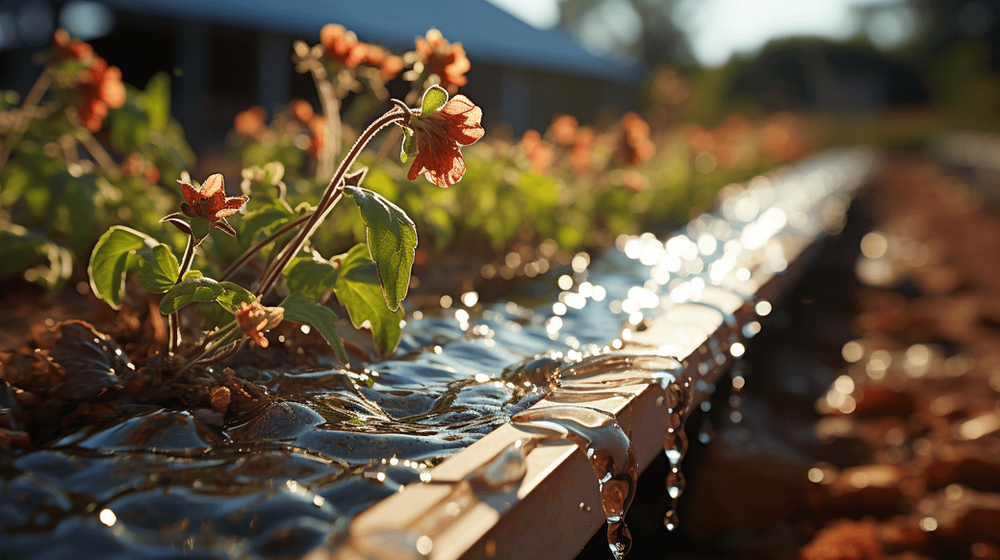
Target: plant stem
x,y
224,336
100,155
329,199
19,126
253,250
173,320
331,112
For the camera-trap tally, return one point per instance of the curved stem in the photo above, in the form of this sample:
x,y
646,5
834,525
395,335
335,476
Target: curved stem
x,y
330,197
242,259
30,102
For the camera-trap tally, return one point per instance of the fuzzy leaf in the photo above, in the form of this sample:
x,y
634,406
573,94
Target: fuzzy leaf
x,y
357,289
158,272
392,241
300,309
434,98
409,145
226,294
109,259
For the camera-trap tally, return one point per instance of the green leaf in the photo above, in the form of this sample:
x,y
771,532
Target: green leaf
x,y
313,278
200,227
158,101
358,290
192,274
392,241
409,145
300,309
226,294
263,221
158,273
434,98
34,257
108,261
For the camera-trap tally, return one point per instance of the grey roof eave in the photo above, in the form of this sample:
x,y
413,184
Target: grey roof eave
x,y
505,40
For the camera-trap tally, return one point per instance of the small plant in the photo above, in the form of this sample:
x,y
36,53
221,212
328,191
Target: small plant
x,y
370,280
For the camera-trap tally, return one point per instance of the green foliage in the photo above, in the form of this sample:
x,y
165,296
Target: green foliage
x,y
392,240
357,288
110,261
158,270
313,278
434,98
302,309
226,294
34,257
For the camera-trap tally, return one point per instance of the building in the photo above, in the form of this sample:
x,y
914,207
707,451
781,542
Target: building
x,y
227,55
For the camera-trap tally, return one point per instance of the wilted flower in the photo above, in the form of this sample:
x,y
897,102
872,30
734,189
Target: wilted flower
x,y
210,202
250,123
71,49
440,136
99,88
444,59
254,319
342,45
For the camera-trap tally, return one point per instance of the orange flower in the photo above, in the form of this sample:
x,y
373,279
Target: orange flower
x,y
254,319
317,127
210,202
538,151
99,88
635,146
71,49
250,123
389,65
581,155
440,136
342,45
136,165
302,110
446,60
564,128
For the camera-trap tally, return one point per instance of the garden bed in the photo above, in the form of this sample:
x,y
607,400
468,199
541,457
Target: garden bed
x,y
289,476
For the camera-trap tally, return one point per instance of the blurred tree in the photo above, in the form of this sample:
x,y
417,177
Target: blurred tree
x,y
640,28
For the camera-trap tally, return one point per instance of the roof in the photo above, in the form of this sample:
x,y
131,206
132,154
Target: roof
x,y
488,34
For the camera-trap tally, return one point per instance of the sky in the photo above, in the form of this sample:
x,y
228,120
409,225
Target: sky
x,y
719,29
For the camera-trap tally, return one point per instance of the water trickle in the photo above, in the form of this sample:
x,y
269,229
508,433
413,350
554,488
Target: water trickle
x,y
610,451
505,469
675,443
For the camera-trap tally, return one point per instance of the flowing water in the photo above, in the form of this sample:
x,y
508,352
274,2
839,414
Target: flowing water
x,y
286,478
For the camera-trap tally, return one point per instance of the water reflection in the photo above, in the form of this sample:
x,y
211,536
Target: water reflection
x,y
290,475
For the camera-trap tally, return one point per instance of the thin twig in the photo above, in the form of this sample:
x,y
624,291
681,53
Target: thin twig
x,y
27,108
242,259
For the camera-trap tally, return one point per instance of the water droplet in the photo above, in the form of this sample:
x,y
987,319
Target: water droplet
x,y
611,455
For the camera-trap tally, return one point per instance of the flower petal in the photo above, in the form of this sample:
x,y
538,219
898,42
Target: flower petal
x,y
464,117
212,186
222,224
